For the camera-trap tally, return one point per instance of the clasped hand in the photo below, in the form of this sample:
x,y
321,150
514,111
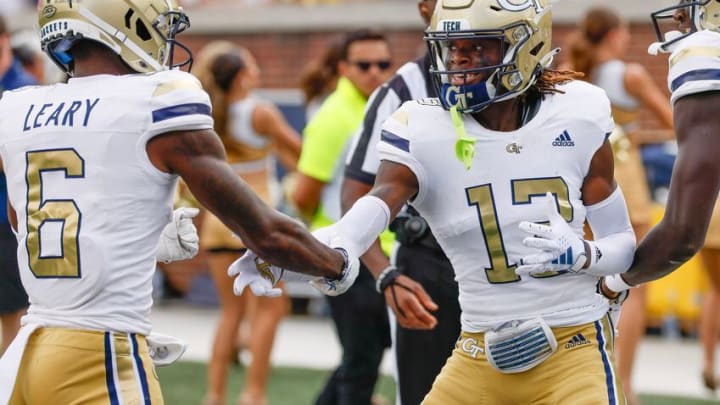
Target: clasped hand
x,y
262,277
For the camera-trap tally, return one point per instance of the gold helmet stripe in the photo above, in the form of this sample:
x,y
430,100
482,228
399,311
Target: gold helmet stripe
x,y
112,31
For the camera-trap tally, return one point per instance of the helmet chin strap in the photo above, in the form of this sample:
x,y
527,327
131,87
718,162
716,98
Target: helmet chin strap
x,y
467,95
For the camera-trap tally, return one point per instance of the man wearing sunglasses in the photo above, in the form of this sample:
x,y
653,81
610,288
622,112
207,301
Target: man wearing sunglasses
x,y
360,316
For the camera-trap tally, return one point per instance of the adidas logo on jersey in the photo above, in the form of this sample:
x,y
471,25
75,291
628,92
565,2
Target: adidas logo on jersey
x,y
577,340
563,140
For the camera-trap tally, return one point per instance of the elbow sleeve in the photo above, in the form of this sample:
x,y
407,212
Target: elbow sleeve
x,y
613,246
363,223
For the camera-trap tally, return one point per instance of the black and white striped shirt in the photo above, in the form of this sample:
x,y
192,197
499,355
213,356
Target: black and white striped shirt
x,y
411,82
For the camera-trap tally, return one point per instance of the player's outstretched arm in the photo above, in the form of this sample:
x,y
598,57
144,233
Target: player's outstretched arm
x,y
693,192
199,158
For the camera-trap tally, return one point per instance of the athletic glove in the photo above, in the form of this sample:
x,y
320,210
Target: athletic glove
x,y
262,277
179,240
562,250
254,272
337,286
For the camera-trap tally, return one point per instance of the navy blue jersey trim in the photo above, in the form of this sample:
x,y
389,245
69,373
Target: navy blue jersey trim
x,y
180,110
695,75
394,140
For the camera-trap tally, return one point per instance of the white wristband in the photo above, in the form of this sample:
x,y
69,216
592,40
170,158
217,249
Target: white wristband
x,y
382,275
616,284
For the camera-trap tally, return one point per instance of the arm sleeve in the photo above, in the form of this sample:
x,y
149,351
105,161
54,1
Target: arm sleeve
x,y
358,229
613,249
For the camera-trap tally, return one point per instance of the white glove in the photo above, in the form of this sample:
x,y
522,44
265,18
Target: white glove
x,y
259,275
262,277
164,349
333,287
179,240
562,250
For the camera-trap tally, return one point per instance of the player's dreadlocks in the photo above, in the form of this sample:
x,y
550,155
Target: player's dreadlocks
x,y
547,82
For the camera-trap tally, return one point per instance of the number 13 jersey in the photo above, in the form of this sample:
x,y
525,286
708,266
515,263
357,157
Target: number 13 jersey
x,y
475,213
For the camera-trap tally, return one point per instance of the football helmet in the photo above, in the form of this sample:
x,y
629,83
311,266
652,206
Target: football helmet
x,y
700,14
522,29
141,32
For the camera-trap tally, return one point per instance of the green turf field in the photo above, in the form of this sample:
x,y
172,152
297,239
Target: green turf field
x,y
184,384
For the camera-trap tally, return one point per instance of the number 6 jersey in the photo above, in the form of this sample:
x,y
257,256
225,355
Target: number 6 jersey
x,y
475,213
89,202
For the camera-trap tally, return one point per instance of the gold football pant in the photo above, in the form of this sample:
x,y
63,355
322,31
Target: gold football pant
x,y
68,366
581,371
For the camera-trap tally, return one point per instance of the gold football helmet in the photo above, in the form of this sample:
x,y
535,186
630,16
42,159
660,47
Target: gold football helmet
x,y
141,32
521,27
700,15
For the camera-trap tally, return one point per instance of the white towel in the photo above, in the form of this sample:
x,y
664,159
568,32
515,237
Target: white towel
x,y
10,361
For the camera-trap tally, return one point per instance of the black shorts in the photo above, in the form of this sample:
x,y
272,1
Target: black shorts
x,y
12,293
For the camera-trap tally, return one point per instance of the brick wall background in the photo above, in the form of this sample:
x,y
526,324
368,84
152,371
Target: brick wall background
x,y
282,55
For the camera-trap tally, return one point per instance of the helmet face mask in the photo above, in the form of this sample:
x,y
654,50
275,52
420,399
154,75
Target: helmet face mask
x,y
676,22
519,30
141,32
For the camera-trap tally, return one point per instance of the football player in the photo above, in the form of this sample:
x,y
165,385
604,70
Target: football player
x,y
508,145
91,169
694,80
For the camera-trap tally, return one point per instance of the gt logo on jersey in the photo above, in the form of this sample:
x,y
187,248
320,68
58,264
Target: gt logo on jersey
x,y
520,5
513,148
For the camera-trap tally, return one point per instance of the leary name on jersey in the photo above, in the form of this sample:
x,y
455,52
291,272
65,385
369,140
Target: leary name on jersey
x,y
89,202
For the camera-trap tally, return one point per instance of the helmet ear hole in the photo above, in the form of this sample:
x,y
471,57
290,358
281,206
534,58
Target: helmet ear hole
x,y
142,31
128,16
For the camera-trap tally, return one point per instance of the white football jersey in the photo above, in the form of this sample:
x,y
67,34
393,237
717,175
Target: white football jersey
x,y
90,204
475,213
695,64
